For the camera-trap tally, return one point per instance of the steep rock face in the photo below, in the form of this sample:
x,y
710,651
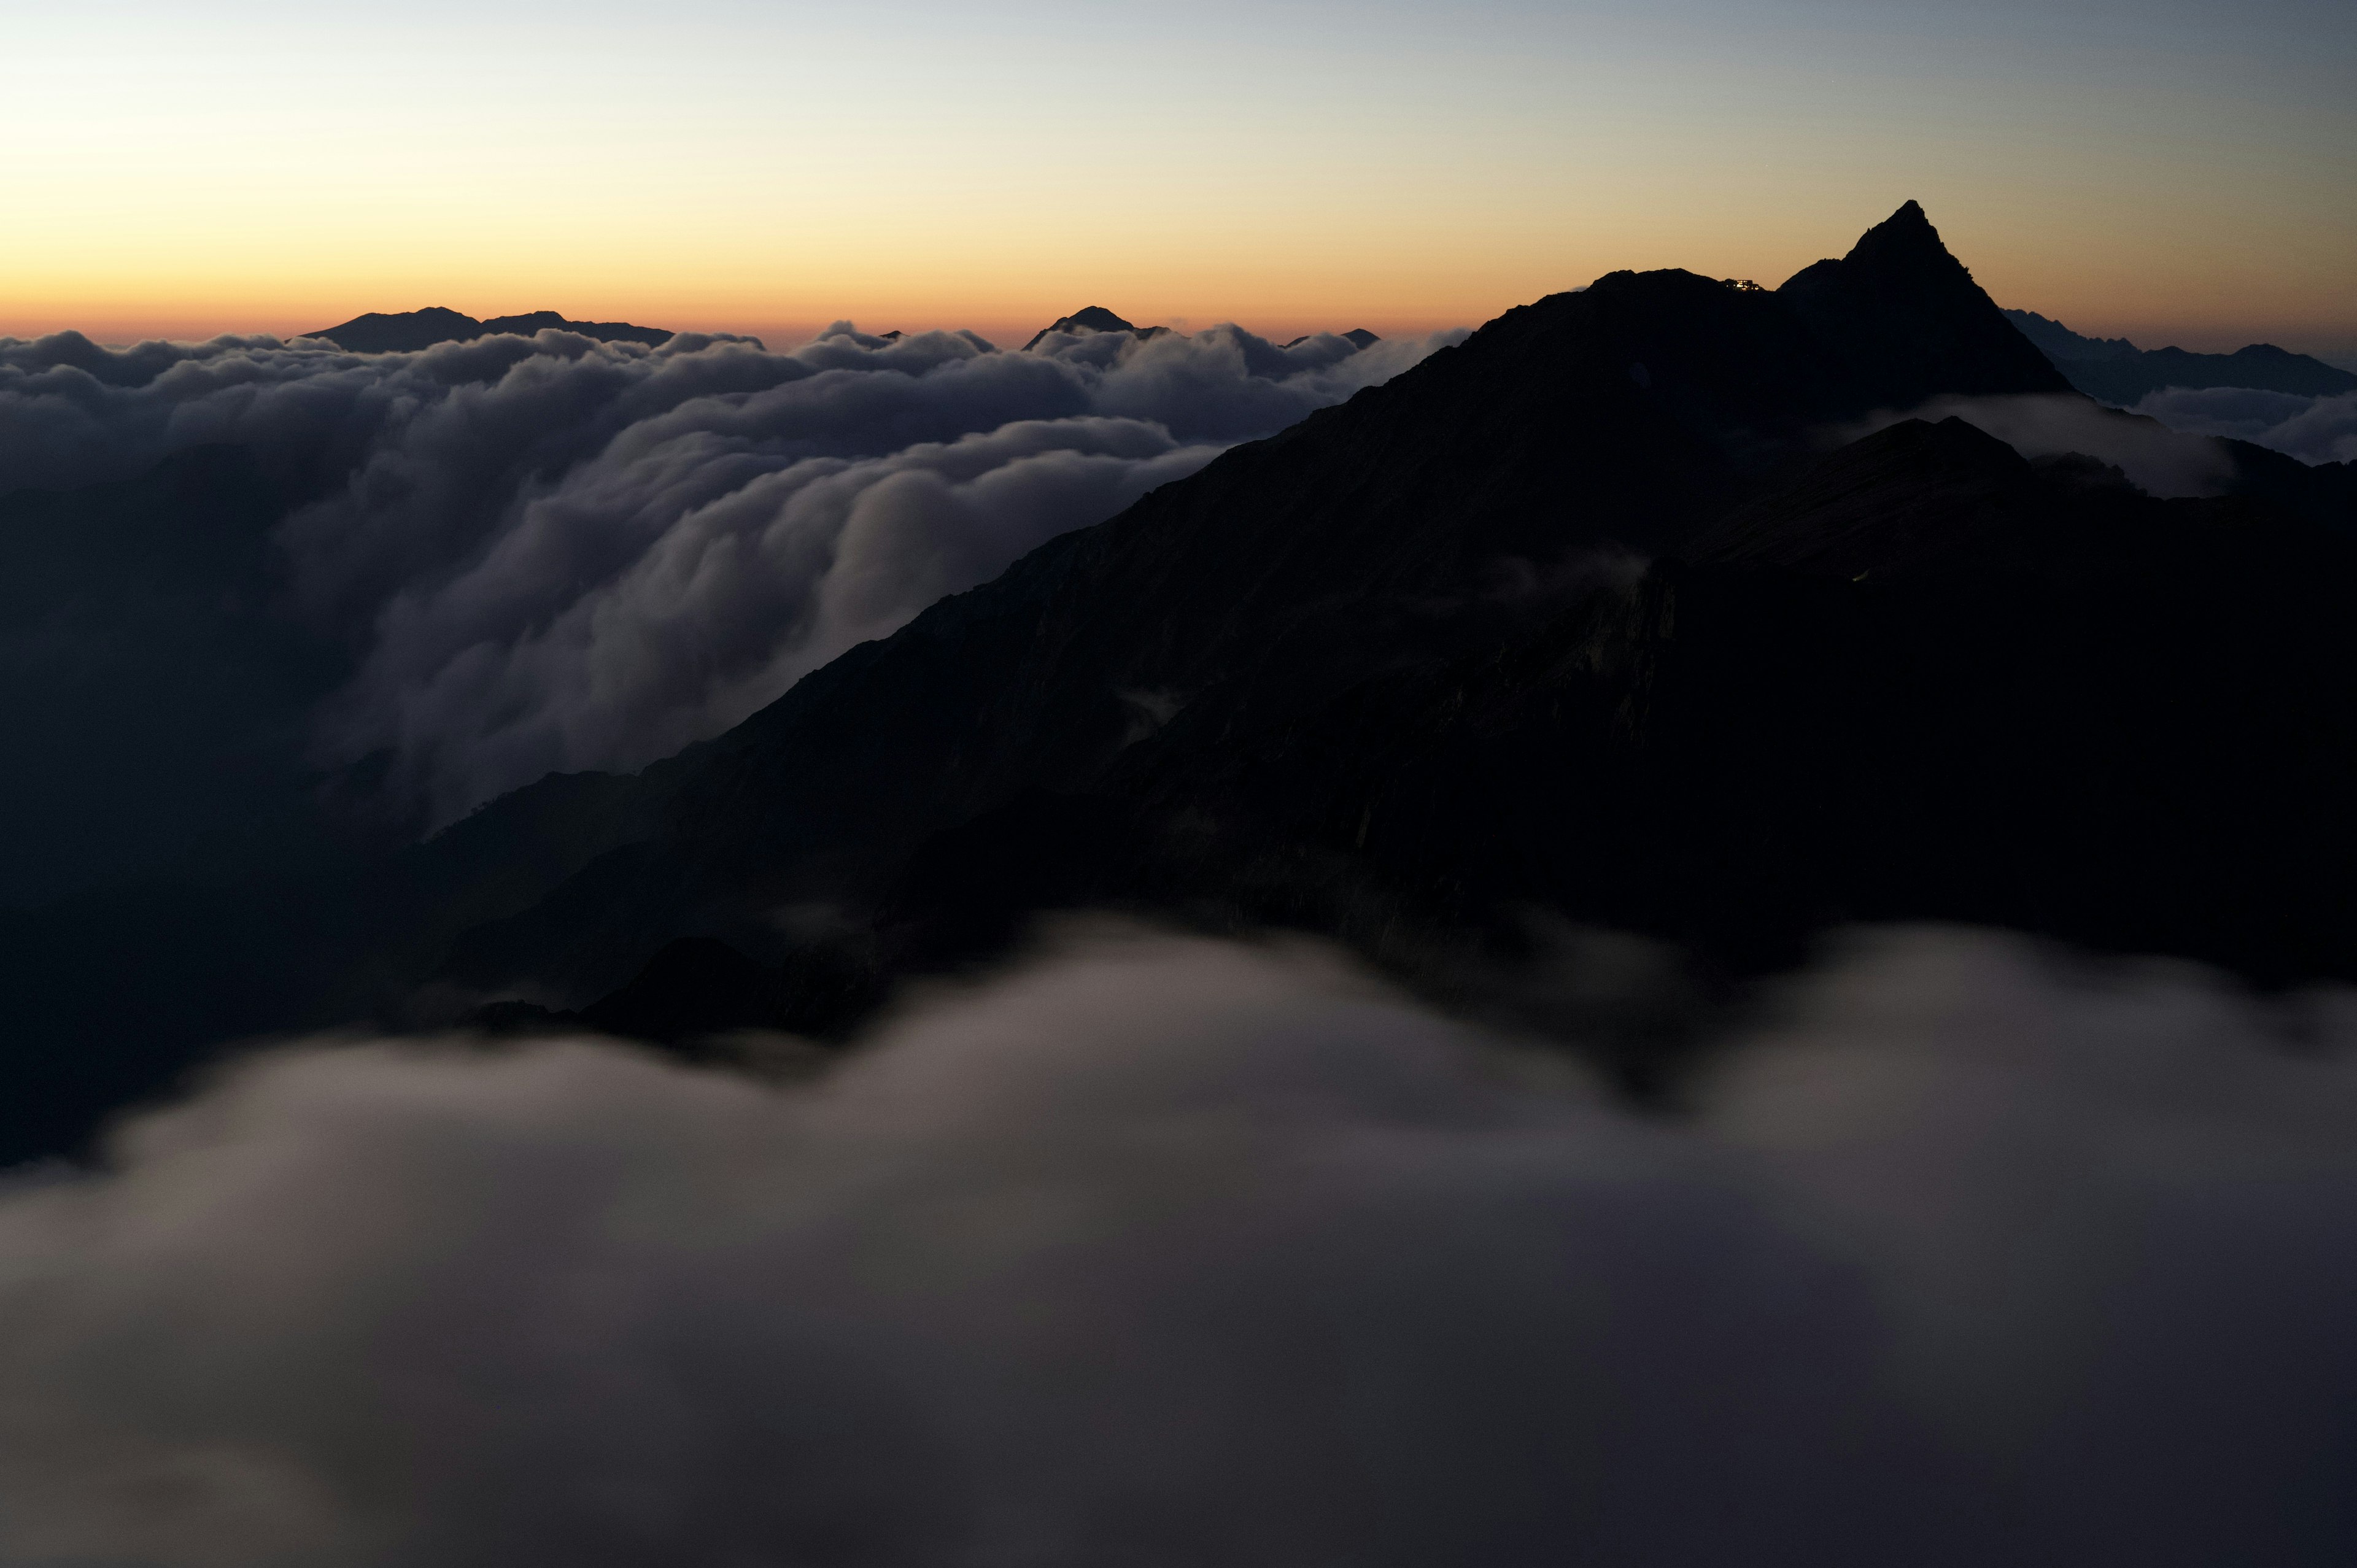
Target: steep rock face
x,y
1910,318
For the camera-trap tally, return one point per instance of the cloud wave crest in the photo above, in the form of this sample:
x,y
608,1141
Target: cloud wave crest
x,y
552,554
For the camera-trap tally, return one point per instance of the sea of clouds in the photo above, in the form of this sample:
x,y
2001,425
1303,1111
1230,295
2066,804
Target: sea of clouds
x,y
1164,1250
2169,445
2312,429
552,554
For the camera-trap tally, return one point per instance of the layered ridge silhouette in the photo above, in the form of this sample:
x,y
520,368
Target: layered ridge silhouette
x,y
2118,372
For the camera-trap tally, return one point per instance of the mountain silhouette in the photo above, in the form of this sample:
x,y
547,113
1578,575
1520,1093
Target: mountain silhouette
x,y
1093,318
1594,619
2114,371
1210,702
408,331
1357,336
1909,314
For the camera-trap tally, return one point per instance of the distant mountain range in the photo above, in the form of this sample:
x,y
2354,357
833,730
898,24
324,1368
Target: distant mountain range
x,y
1577,622
2114,371
1093,318
407,331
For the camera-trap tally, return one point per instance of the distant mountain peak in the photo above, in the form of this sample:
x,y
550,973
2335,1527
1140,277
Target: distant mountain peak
x,y
2114,371
407,331
1093,318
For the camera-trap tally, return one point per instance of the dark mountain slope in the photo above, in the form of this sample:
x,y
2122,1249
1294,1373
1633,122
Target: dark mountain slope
x,y
1371,542
1923,679
154,689
2114,371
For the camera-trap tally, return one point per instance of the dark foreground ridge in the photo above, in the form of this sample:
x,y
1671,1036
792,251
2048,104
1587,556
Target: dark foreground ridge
x,y
1589,620
407,331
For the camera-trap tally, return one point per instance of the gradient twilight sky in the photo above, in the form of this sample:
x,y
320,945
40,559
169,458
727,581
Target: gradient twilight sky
x,y
2172,171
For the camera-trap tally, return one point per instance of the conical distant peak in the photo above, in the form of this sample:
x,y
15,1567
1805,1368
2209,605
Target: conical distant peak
x,y
1095,318
1905,243
1904,238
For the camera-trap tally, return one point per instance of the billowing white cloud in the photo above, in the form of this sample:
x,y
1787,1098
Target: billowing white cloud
x,y
1164,1251
2158,460
2312,429
555,554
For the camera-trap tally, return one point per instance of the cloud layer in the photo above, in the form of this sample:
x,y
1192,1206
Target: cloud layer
x,y
1164,1250
2312,429
2158,458
553,554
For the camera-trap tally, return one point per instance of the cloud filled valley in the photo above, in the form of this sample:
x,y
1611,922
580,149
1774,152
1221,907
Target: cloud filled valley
x,y
553,553
2312,429
1157,1249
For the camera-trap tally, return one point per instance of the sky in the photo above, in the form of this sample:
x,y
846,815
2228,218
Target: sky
x,y
2172,172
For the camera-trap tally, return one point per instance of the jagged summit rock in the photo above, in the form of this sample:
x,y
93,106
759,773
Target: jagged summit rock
x,y
1904,242
1900,303
403,332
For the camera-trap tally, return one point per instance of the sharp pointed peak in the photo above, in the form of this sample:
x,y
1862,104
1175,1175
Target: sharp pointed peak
x,y
1907,230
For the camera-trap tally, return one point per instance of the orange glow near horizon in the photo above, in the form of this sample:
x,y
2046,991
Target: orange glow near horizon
x,y
2117,280
2154,172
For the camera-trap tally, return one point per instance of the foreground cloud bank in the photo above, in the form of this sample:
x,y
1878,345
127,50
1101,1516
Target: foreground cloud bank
x,y
556,554
1169,1252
